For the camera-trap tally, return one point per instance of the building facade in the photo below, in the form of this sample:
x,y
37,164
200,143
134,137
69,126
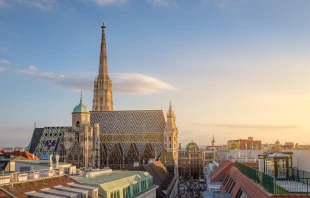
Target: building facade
x,y
191,161
245,144
105,137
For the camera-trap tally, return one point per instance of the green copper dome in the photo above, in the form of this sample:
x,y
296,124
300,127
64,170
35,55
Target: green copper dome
x,y
80,108
192,146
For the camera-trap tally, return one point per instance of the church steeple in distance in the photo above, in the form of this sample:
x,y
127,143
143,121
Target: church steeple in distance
x,y
103,100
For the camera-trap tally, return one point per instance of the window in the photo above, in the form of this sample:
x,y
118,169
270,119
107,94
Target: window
x,y
77,124
169,145
225,180
242,194
77,137
169,138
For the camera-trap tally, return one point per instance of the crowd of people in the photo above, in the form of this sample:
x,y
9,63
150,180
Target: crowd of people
x,y
191,188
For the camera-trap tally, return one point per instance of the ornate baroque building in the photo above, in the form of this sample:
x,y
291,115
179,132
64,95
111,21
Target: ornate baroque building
x,y
105,137
191,161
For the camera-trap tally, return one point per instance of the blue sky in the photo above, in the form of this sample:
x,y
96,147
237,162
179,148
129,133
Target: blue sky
x,y
233,68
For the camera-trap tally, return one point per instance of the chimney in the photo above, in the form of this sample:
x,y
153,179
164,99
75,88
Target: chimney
x,y
57,161
180,146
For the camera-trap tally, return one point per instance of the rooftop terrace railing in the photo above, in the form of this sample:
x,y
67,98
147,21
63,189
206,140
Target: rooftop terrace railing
x,y
298,183
266,181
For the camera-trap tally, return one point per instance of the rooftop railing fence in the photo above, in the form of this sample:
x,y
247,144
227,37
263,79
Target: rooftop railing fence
x,y
266,181
297,183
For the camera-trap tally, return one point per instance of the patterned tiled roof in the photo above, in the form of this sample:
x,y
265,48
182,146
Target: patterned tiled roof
x,y
35,139
49,141
129,121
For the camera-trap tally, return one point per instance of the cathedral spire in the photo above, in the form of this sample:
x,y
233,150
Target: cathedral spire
x,y
103,65
213,141
170,113
103,99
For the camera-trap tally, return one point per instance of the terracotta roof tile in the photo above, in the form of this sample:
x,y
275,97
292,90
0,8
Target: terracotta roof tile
x,y
250,187
223,169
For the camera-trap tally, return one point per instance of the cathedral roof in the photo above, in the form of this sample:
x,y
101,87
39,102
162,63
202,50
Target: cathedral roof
x,y
129,121
80,108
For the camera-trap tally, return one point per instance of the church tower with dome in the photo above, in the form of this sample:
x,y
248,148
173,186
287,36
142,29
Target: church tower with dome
x,y
81,143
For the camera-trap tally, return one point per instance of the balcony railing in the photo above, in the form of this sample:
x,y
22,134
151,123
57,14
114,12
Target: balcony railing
x,y
297,183
266,181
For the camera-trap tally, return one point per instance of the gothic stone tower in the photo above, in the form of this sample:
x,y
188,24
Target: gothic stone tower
x,y
171,136
103,100
82,142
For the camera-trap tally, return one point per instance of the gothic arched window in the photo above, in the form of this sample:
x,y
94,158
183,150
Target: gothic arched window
x,y
77,124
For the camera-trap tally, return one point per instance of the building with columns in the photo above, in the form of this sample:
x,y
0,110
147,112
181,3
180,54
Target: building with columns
x,y
190,161
108,137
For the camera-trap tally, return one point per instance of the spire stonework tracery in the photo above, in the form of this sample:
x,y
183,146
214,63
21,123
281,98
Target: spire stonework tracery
x,y
103,99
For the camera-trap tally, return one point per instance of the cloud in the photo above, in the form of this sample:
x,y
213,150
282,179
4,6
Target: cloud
x,y
40,4
3,4
249,126
109,2
5,62
3,48
32,68
2,69
135,83
162,2
127,83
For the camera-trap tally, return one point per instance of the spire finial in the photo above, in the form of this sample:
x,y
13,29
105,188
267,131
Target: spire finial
x,y
103,25
81,97
170,113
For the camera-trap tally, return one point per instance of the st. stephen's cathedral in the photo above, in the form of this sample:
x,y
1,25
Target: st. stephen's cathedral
x,y
107,137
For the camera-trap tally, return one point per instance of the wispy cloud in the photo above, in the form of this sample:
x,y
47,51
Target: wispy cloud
x,y
135,83
4,62
128,83
248,126
3,49
2,69
224,3
3,4
109,2
40,4
162,2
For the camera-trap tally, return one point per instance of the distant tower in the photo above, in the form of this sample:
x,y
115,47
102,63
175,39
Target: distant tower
x,y
213,141
171,135
103,100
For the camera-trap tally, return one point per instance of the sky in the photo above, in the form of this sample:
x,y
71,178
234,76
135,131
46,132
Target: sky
x,y
232,68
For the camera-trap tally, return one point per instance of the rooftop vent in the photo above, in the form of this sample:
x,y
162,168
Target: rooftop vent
x,y
81,193
59,193
92,191
34,194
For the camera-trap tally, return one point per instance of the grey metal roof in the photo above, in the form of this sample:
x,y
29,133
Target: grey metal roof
x,y
129,121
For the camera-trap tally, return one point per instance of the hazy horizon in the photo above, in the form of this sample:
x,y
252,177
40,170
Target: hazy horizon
x,y
232,68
